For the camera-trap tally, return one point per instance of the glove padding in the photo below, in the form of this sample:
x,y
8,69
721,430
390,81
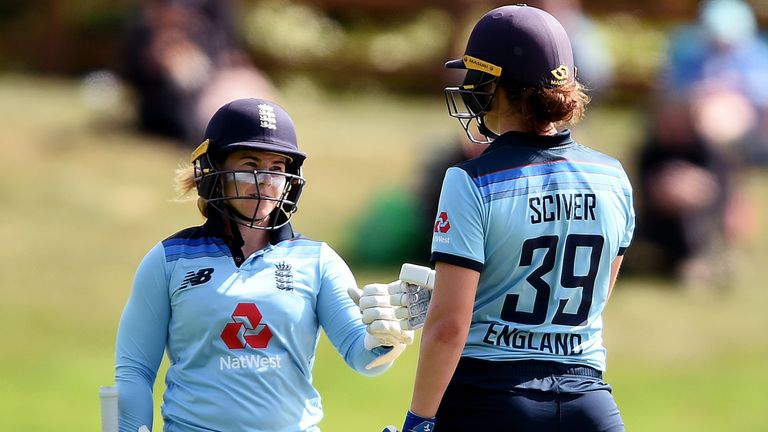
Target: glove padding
x,y
393,311
397,301
406,299
383,333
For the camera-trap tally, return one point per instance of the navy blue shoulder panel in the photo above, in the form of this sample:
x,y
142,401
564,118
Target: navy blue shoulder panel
x,y
517,149
194,242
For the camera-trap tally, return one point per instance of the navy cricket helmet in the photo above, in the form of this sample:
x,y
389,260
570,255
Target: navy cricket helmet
x,y
509,46
249,124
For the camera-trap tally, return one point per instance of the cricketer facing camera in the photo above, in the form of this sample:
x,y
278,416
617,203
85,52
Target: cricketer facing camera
x,y
237,303
527,245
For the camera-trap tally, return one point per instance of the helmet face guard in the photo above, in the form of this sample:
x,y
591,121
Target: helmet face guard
x,y
223,189
470,102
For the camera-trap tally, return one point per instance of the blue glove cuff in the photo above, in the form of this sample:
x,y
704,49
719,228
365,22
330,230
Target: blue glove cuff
x,y
414,423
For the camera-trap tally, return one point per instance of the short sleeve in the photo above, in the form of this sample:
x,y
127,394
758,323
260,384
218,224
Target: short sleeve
x,y
458,236
630,212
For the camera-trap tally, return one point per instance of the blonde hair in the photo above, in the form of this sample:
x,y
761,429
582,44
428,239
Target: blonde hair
x,y
538,107
184,183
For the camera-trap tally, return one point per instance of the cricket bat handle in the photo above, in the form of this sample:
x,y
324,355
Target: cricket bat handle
x,y
417,275
108,402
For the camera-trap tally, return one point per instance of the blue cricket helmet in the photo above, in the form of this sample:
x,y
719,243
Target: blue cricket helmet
x,y
516,45
248,124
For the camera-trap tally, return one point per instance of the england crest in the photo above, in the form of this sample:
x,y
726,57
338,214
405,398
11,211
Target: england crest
x,y
283,276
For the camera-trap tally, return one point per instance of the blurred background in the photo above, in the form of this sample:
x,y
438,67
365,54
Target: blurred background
x,y
100,100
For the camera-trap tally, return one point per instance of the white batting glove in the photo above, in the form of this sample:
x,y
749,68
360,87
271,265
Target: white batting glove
x,y
393,311
405,300
383,327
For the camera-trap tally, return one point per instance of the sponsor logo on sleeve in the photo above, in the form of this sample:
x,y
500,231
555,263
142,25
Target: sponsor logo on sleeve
x,y
442,225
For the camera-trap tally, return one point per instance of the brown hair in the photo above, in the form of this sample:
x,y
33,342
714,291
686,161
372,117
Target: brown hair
x,y
540,106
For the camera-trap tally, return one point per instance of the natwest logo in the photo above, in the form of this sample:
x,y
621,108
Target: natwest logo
x,y
246,328
441,224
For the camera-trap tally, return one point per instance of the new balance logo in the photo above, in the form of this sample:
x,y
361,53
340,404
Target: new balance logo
x,y
193,278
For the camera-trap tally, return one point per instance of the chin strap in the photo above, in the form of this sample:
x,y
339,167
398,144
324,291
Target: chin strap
x,y
483,129
229,228
234,234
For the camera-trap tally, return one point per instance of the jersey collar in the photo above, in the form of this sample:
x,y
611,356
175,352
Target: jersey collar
x,y
285,232
526,139
214,225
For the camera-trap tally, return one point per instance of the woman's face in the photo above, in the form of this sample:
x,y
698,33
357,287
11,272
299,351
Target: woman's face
x,y
261,191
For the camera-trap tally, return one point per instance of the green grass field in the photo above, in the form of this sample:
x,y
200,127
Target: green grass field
x,y
83,198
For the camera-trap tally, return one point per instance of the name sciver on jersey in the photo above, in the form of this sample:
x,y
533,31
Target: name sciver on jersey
x,y
558,206
499,334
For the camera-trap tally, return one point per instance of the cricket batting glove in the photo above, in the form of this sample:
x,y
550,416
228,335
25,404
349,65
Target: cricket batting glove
x,y
393,311
414,423
383,334
405,300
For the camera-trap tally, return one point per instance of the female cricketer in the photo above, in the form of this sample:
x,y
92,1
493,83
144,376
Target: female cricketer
x,y
237,303
527,243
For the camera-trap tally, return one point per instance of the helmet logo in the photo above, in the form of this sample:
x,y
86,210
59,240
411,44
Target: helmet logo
x,y
267,117
482,66
560,74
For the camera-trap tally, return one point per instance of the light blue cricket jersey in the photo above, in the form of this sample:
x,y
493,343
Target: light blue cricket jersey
x,y
241,340
541,219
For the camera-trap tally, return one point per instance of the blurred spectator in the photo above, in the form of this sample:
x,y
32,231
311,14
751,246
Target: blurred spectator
x,y
184,60
594,62
403,218
704,126
721,58
690,208
430,183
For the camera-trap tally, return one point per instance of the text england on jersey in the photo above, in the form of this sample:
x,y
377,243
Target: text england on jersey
x,y
553,343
